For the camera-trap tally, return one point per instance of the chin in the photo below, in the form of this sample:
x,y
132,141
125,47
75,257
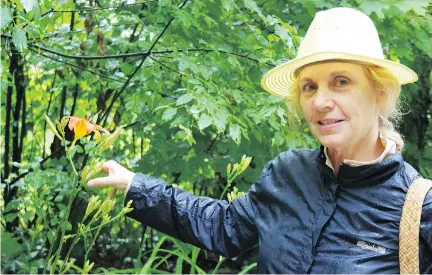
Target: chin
x,y
332,141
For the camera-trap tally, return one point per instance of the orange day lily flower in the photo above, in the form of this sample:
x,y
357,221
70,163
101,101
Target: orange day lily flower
x,y
82,127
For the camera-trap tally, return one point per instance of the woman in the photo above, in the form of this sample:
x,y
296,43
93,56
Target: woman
x,y
335,209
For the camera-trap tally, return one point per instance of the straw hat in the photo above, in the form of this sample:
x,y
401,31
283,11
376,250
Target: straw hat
x,y
338,33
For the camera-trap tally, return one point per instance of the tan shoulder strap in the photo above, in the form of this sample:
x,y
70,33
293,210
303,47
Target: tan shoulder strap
x,y
409,230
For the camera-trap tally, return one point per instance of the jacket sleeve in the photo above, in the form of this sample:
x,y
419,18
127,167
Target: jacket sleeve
x,y
426,235
215,225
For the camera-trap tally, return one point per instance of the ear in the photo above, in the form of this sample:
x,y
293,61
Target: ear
x,y
381,99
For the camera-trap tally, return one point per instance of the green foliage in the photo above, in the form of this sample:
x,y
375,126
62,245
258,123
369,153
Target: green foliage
x,y
191,106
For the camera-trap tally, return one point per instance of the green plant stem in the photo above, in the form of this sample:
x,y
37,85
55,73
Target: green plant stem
x,y
92,244
249,267
60,227
216,269
186,258
138,259
226,188
75,241
147,266
63,229
194,257
96,227
163,260
71,162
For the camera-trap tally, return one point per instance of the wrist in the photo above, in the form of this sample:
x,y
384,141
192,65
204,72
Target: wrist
x,y
129,182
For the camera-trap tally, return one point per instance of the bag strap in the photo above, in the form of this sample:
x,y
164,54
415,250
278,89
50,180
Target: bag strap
x,y
409,230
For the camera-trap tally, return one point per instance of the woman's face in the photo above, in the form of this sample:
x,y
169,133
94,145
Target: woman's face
x,y
338,102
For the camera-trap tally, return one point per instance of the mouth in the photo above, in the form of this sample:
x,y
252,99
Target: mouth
x,y
329,121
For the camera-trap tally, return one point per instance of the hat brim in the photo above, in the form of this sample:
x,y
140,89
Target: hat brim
x,y
278,80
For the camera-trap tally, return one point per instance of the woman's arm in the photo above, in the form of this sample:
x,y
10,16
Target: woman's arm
x,y
216,225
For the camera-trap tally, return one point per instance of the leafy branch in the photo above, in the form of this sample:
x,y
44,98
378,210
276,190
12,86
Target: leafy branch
x,y
146,54
117,94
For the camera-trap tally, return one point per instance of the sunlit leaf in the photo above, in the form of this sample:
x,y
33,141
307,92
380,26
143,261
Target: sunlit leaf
x,y
19,39
28,4
5,17
204,121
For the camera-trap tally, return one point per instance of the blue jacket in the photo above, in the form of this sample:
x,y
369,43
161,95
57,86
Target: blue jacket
x,y
304,219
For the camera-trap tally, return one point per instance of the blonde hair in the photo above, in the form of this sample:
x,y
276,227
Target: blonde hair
x,y
388,87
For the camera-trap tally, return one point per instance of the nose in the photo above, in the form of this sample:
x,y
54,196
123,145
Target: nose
x,y
323,101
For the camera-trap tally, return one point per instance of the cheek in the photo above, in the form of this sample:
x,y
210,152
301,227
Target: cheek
x,y
306,108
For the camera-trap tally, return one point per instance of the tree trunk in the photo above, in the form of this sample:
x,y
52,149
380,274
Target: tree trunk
x,y
16,68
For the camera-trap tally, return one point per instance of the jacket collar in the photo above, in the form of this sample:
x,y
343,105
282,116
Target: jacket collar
x,y
365,175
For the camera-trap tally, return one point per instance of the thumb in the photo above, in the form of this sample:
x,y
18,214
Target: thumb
x,y
111,164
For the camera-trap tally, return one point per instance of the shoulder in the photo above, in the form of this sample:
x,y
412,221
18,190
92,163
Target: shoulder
x,y
288,165
411,174
296,156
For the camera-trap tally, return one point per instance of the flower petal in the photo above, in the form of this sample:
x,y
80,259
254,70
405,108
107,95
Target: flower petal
x,y
80,129
72,121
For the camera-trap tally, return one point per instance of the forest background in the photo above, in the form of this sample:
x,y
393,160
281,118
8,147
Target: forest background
x,y
182,79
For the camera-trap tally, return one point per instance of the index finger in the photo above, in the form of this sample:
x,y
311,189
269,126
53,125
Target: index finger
x,y
102,182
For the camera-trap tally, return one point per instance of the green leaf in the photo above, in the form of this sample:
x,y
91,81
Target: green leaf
x,y
19,39
369,7
204,121
169,114
67,226
5,17
12,205
220,118
58,198
179,266
419,6
234,132
126,68
184,99
28,4
9,246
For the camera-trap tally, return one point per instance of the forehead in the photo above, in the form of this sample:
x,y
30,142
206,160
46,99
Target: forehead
x,y
326,68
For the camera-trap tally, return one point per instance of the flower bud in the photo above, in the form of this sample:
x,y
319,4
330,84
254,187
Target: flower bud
x,y
53,128
106,218
68,266
245,163
94,203
127,208
105,144
87,267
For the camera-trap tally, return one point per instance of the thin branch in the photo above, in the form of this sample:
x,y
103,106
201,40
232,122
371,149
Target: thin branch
x,y
86,9
218,51
87,57
78,67
42,15
211,144
166,66
107,111
146,53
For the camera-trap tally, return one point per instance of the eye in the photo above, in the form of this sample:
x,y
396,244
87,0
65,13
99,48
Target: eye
x,y
309,87
341,81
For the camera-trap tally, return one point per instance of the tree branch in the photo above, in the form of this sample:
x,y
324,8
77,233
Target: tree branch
x,y
105,8
116,95
146,53
82,57
78,67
